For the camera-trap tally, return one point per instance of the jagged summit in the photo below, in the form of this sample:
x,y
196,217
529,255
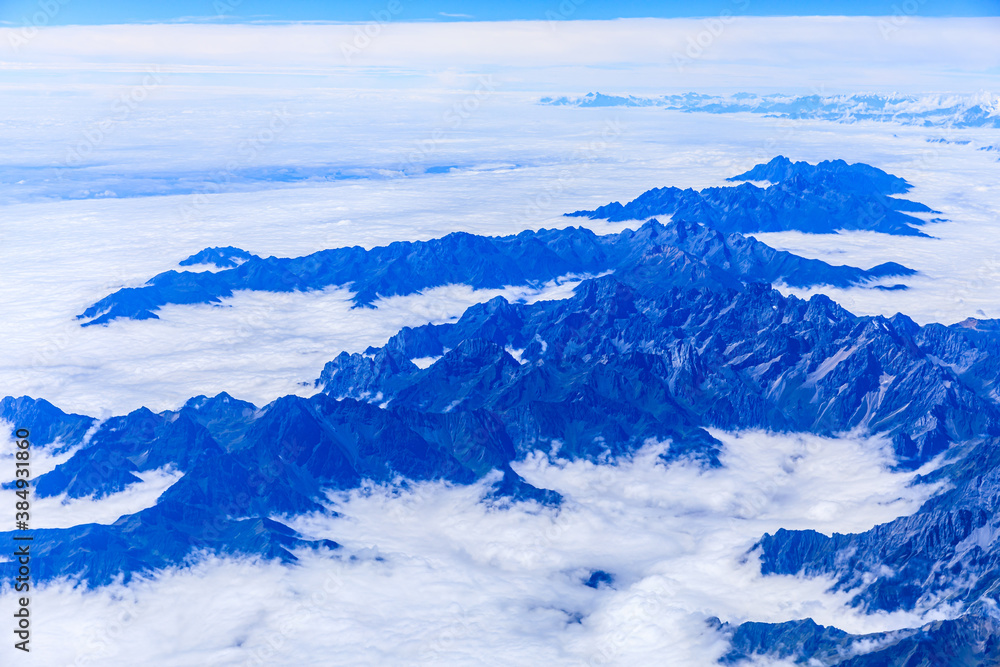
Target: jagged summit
x,y
223,258
818,199
860,178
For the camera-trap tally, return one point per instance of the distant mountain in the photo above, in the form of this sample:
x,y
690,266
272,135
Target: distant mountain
x,y
816,199
956,111
224,258
654,257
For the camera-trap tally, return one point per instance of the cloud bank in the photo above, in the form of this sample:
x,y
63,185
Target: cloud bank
x,y
430,574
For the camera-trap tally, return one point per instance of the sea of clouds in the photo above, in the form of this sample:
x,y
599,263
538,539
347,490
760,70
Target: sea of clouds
x,y
432,573
128,149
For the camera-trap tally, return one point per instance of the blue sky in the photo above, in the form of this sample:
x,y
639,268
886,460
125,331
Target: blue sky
x,y
69,12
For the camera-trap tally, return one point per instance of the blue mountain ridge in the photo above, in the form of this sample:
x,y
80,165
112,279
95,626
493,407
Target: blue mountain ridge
x,y
224,258
922,110
971,640
602,373
816,199
51,425
696,253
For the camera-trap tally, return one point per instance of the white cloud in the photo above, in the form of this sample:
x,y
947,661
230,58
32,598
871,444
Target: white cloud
x,y
835,51
429,575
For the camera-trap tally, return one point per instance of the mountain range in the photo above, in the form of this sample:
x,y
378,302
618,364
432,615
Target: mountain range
x,y
675,253
945,111
676,332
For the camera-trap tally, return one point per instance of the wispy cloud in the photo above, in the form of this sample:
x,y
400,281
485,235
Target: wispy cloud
x,y
842,52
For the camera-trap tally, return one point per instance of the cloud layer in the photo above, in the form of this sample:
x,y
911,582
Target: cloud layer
x,y
428,574
705,53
